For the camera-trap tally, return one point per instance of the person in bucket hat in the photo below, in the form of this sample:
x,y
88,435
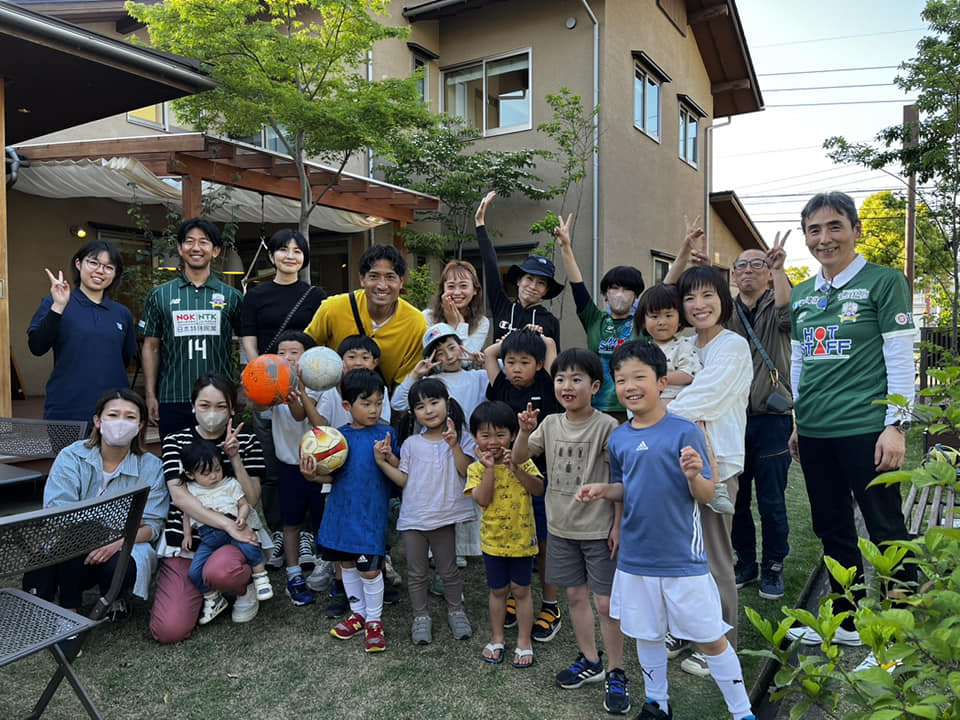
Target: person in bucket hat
x,y
535,283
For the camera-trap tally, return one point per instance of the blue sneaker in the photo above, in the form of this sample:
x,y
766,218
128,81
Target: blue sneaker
x,y
298,591
771,582
616,698
581,671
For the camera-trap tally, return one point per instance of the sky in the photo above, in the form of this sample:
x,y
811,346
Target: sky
x,y
774,159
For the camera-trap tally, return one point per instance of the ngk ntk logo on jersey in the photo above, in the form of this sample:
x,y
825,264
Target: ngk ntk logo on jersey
x,y
822,343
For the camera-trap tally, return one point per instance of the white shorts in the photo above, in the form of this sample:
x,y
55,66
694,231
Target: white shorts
x,y
647,607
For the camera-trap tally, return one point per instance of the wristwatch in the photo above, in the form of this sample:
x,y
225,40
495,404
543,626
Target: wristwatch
x,y
903,426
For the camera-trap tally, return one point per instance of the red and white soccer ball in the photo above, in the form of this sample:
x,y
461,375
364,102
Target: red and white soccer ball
x,y
327,446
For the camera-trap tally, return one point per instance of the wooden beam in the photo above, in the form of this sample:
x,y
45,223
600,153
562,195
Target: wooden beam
x,y
121,147
730,85
253,160
191,187
379,191
709,13
6,392
352,185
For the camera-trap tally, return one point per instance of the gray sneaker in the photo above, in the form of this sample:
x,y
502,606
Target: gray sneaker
x,y
721,503
459,625
422,630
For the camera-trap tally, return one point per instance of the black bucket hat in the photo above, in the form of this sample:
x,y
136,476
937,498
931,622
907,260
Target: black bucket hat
x,y
537,265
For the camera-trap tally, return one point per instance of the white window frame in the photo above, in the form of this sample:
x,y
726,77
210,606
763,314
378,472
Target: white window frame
x,y
648,73
689,111
656,259
164,123
482,64
420,61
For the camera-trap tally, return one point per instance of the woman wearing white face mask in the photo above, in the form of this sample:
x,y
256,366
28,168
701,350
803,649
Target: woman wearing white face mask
x,y
112,460
177,601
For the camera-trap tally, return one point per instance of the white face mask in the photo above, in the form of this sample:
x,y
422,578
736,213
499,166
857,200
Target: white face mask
x,y
212,421
118,433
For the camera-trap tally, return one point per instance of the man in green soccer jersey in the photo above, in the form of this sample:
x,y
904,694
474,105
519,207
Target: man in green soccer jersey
x,y
188,325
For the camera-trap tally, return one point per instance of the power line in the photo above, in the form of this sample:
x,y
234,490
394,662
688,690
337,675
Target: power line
x,y
840,37
828,87
846,102
807,194
769,152
827,171
829,70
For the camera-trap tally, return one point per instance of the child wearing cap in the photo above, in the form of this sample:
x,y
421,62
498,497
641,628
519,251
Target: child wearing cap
x,y
535,283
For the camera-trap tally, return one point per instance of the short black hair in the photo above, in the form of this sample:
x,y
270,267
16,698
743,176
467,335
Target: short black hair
x,y
295,336
702,276
578,359
360,383
359,342
211,230
643,350
430,387
524,341
658,298
383,252
198,456
227,387
281,238
625,276
838,201
93,249
494,413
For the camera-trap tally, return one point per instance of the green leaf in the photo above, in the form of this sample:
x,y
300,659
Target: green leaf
x,y
925,711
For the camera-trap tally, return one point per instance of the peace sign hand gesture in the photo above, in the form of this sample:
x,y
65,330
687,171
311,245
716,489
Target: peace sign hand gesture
x,y
528,419
449,434
777,254
59,291
231,442
695,241
562,232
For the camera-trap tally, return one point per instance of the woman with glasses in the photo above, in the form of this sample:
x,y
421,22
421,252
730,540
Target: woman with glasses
x,y
92,336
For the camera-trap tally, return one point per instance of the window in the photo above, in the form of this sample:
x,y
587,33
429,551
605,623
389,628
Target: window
x,y
689,130
661,266
492,95
151,115
422,57
647,79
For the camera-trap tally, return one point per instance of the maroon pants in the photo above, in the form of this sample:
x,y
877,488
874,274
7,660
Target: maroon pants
x,y
177,601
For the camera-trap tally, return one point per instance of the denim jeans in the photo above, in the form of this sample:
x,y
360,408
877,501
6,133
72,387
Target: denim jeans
x,y
213,539
765,466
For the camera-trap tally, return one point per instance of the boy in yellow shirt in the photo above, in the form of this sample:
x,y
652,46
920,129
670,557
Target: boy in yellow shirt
x,y
508,535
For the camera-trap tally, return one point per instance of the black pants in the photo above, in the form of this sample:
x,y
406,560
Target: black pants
x,y
837,470
72,577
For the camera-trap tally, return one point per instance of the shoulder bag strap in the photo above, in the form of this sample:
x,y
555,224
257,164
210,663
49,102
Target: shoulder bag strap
x,y
356,312
774,373
287,319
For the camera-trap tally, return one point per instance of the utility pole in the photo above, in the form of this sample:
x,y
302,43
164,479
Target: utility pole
x,y
910,119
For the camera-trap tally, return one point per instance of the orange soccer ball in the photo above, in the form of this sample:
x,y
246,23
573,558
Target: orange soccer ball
x,y
267,380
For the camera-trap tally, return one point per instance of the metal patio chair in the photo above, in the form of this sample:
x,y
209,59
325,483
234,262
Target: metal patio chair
x,y
41,538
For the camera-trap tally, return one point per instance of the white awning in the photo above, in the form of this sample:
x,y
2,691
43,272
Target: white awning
x,y
125,179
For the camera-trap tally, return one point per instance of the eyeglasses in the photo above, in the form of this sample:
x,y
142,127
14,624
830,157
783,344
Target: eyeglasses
x,y
756,264
94,265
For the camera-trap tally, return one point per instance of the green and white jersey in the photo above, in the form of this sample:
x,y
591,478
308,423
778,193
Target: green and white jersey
x,y
195,326
839,328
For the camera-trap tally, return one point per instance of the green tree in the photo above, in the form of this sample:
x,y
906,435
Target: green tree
x,y
443,161
933,143
797,273
294,66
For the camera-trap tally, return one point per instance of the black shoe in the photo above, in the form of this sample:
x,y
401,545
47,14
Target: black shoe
x,y
391,596
616,698
510,619
338,604
651,711
547,624
746,573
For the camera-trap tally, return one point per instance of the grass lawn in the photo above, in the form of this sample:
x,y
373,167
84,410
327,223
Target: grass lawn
x,y
285,664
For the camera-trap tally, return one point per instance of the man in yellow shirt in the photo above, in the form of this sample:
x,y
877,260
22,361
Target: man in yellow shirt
x,y
393,323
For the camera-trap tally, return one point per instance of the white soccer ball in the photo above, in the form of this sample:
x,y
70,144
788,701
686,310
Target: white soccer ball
x,y
328,447
320,368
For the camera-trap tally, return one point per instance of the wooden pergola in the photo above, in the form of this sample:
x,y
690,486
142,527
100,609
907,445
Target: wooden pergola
x,y
196,157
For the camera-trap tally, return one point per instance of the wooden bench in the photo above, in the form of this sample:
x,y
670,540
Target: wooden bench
x,y
928,507
38,539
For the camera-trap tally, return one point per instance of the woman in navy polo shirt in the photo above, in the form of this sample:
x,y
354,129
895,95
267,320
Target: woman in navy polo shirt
x,y
92,336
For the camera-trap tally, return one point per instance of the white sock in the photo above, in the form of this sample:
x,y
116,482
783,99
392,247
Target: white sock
x,y
353,586
373,595
293,571
653,663
727,674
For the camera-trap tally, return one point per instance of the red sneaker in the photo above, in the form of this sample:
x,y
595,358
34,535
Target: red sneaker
x,y
376,642
348,627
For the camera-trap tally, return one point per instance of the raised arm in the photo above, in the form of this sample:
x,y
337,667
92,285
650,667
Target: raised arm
x,y
775,259
491,360
692,250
